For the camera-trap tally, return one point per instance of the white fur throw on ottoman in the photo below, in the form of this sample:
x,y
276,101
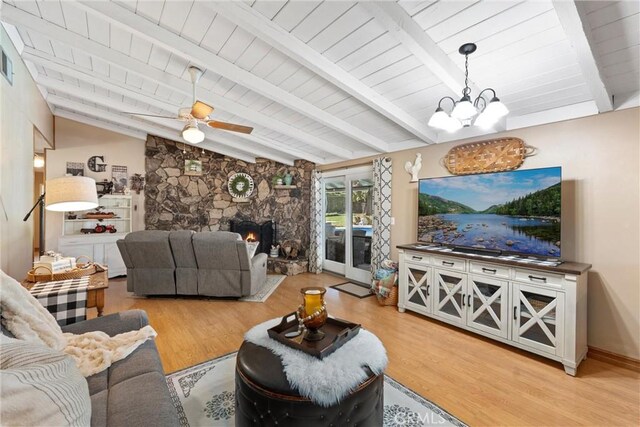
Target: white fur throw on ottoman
x,y
329,380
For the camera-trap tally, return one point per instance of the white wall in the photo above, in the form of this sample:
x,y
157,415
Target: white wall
x,y
22,109
600,163
77,142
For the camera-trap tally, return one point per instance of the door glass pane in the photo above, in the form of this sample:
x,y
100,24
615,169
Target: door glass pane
x,y
335,213
543,327
361,220
486,304
419,296
450,295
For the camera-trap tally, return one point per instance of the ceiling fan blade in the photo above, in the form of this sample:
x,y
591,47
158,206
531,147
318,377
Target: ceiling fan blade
x,y
200,110
150,115
229,126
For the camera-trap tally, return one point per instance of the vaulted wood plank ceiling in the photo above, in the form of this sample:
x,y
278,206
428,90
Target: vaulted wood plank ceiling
x,y
324,80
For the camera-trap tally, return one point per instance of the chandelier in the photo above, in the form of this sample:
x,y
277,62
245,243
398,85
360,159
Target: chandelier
x,y
488,110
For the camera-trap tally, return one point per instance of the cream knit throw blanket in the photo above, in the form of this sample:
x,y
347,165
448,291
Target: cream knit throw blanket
x,y
93,352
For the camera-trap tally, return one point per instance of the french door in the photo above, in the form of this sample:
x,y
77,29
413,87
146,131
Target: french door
x,y
347,200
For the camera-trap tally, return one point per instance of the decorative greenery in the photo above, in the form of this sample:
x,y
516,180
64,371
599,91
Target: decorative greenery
x,y
240,185
276,177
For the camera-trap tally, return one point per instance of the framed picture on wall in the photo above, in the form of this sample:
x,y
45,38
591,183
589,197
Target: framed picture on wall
x,y
120,179
193,167
75,168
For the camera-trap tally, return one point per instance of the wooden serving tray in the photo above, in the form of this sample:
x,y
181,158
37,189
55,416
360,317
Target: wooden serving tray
x,y
337,333
99,216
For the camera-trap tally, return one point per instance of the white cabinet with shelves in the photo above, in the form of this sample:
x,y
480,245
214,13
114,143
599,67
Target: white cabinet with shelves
x,y
99,247
539,310
120,205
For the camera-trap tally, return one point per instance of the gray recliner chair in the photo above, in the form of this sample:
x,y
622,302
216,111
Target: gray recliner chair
x,y
224,266
214,264
149,260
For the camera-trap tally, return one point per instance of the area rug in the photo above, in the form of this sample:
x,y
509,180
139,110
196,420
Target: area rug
x,y
354,289
204,396
273,281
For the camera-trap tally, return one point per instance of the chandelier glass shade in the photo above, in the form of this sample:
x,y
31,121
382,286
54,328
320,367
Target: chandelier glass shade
x,y
488,110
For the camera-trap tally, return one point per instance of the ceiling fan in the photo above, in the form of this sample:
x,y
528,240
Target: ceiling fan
x,y
196,114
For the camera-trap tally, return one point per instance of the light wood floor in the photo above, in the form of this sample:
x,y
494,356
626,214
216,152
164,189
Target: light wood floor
x,y
479,381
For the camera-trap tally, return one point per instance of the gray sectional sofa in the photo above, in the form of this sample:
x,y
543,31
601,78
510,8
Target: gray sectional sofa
x,y
214,264
132,391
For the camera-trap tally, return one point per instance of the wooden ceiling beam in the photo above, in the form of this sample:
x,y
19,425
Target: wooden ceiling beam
x,y
407,31
20,18
578,32
249,19
230,146
201,57
71,70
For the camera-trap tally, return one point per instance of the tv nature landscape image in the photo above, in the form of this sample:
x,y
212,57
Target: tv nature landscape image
x,y
516,212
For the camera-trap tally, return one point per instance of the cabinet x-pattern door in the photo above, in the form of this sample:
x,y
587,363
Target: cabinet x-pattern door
x,y
450,298
418,288
488,305
538,318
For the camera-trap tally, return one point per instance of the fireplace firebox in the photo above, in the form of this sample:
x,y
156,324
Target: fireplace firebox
x,y
264,233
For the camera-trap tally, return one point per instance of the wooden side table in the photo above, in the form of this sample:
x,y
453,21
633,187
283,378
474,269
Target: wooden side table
x,y
98,282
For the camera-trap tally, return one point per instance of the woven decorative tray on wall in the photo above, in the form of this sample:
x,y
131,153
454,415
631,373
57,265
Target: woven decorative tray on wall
x,y
495,155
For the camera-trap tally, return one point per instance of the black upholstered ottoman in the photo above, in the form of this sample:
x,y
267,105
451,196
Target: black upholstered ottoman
x,y
264,397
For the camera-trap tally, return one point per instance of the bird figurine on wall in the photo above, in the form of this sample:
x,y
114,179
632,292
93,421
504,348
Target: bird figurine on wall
x,y
414,168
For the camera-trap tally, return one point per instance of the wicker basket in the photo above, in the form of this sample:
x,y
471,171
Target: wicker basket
x,y
496,155
392,299
81,270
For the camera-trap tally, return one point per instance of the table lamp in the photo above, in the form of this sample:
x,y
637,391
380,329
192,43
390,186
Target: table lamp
x,y
67,193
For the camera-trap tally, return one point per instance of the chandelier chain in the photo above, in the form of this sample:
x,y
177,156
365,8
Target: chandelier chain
x,y
466,91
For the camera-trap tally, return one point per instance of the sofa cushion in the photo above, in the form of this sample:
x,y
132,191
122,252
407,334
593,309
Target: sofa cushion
x,y
142,401
149,249
41,386
143,360
99,404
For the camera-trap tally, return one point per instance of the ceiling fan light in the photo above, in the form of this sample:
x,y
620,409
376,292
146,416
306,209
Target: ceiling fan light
x,y
496,109
192,134
439,119
464,109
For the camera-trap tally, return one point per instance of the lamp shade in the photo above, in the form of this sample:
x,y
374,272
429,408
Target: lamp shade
x,y
439,119
192,134
464,109
71,193
496,109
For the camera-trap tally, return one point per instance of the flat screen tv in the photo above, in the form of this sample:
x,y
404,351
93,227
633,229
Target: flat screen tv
x,y
516,212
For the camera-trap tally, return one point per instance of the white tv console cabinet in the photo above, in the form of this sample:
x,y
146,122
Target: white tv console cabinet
x,y
538,308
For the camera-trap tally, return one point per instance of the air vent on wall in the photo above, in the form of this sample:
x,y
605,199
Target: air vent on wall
x,y
7,67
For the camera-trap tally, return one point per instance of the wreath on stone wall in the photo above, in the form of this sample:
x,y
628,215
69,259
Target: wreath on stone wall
x,y
240,185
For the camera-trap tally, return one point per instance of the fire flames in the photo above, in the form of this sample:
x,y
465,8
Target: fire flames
x,y
251,237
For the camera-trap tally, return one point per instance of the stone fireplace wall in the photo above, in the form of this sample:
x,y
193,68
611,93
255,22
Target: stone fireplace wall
x,y
175,201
